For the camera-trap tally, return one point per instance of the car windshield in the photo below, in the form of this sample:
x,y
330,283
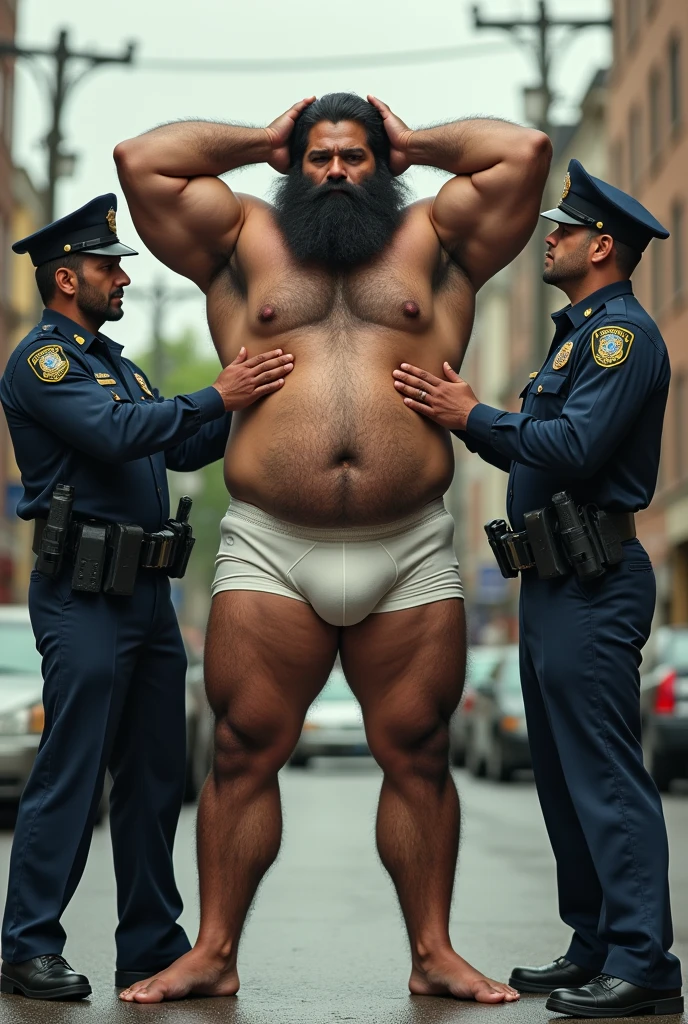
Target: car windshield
x,y
482,662
18,654
336,687
510,676
678,650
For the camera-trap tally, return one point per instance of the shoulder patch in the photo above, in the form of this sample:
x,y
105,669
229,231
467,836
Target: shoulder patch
x,y
562,356
142,384
611,345
49,363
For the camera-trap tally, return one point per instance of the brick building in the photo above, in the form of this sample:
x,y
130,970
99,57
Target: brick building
x,y
648,106
7,30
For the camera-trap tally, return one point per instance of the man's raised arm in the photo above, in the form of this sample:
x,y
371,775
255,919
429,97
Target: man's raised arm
x,y
184,213
485,214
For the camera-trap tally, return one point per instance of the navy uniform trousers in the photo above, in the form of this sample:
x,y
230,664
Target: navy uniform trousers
x,y
580,655
114,690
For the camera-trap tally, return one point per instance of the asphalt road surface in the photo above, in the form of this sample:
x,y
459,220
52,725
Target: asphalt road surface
x,y
325,941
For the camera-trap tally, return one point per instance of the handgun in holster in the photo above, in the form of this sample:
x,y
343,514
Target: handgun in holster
x,y
185,539
55,534
496,531
579,540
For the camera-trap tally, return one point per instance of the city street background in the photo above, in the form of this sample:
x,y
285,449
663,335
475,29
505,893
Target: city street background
x,y
325,942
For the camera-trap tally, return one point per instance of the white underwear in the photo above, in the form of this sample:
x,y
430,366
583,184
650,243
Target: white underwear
x,y
344,574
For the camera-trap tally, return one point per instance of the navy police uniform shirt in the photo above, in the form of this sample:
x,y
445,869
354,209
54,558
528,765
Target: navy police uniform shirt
x,y
80,413
591,420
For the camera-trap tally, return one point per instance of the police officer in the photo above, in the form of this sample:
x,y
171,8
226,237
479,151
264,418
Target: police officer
x,y
590,425
81,414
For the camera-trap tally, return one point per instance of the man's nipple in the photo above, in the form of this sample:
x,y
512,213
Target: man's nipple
x,y
267,313
411,309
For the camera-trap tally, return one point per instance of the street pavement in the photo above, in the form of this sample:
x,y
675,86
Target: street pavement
x,y
325,941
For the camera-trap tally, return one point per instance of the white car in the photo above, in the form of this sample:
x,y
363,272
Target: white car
x,y
334,724
21,708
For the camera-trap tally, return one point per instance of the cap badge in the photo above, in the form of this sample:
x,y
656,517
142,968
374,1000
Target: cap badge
x,y
562,356
111,221
611,345
142,384
49,363
567,186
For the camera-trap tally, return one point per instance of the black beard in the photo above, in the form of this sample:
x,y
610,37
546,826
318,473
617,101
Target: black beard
x,y
337,223
94,304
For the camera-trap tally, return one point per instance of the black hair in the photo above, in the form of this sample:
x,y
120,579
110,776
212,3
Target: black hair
x,y
627,259
336,107
45,274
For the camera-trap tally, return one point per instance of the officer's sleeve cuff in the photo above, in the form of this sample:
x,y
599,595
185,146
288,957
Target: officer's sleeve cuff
x,y
480,422
209,402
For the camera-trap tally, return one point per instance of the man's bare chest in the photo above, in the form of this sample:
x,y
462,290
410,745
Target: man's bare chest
x,y
279,297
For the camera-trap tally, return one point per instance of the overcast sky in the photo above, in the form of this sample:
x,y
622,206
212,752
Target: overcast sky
x,y
114,103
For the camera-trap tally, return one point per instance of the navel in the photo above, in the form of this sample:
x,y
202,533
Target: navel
x,y
411,309
267,313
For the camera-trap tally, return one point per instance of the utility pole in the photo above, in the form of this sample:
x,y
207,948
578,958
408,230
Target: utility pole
x,y
161,297
537,38
59,86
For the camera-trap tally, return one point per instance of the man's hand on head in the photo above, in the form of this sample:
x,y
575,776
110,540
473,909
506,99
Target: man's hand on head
x,y
245,380
447,402
398,134
279,131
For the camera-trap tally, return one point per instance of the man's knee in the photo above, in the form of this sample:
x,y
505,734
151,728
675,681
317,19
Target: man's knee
x,y
410,744
254,746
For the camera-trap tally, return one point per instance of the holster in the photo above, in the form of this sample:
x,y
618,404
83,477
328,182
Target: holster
x,y
560,539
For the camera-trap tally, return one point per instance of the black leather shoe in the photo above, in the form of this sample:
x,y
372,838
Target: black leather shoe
x,y
562,973
44,977
611,997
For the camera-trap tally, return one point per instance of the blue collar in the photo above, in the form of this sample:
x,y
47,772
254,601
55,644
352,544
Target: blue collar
x,y
71,329
587,307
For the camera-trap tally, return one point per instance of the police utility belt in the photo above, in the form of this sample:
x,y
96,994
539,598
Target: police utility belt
x,y
107,556
561,539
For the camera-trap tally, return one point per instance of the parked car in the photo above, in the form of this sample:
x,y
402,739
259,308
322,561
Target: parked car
x,y
333,725
21,709
21,706
664,705
497,738
482,664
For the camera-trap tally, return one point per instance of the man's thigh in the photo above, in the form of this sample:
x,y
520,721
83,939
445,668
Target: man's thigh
x,y
267,658
407,668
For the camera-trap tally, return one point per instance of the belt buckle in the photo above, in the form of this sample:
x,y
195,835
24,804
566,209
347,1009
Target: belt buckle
x,y
517,547
165,550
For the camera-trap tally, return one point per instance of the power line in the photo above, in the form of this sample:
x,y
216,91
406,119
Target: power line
x,y
260,65
59,87
540,28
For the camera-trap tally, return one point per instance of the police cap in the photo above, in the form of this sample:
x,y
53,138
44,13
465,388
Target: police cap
x,y
91,229
595,204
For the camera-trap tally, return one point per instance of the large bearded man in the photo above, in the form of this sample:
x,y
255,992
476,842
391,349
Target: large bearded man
x,y
336,539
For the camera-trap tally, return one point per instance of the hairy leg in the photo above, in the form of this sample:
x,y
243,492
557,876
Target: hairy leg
x,y
267,658
407,670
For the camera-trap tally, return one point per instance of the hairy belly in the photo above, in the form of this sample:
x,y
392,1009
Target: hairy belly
x,y
334,450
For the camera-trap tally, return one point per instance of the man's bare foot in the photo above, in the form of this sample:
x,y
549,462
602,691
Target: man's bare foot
x,y
194,974
450,975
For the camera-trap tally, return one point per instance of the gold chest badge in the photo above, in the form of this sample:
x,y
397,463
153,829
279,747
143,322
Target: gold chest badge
x,y
611,345
49,363
111,219
562,356
142,384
